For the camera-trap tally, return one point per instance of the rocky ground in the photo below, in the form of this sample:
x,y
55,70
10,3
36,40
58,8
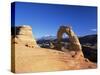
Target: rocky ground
x,y
41,59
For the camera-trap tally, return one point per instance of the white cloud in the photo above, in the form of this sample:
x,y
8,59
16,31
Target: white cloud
x,y
47,35
94,30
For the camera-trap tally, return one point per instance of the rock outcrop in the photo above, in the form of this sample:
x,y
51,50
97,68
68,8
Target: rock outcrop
x,y
23,35
75,44
74,47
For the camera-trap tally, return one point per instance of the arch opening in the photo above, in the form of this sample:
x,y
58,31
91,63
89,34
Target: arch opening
x,y
65,41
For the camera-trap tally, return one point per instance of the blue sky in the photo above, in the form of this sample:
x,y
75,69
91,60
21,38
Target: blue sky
x,y
45,19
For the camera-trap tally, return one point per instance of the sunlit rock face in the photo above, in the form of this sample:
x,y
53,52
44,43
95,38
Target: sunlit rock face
x,y
23,35
74,46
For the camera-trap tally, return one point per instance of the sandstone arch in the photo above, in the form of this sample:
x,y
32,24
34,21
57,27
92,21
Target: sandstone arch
x,y
74,41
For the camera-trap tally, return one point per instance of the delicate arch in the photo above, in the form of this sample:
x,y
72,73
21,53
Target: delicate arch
x,y
75,44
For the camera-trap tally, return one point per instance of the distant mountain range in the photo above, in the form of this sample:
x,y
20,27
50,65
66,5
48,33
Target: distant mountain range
x,y
88,39
48,38
92,39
